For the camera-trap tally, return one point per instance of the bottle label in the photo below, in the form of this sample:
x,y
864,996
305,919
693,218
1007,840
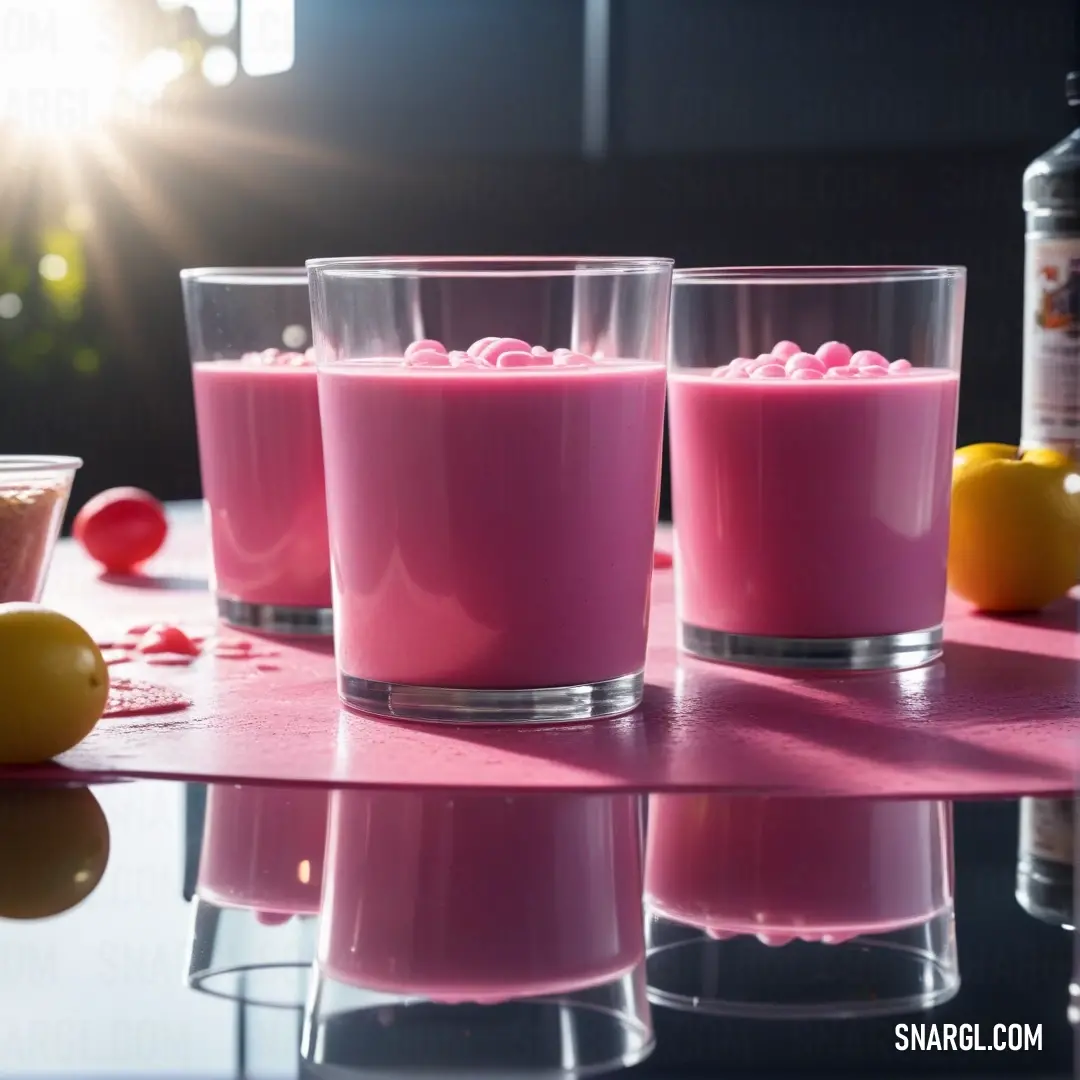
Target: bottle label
x,y
1046,829
1051,408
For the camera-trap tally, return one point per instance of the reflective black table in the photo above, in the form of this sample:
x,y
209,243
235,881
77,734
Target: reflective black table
x,y
150,929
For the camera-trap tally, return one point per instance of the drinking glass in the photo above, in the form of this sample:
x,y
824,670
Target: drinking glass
x,y
260,447
492,431
811,489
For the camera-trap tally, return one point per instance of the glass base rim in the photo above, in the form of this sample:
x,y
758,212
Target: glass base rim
x,y
584,1072
1061,917
884,652
537,706
945,964
278,619
633,1019
912,1003
202,982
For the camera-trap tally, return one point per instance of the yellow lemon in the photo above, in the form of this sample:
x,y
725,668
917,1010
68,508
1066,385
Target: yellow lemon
x,y
53,684
1014,540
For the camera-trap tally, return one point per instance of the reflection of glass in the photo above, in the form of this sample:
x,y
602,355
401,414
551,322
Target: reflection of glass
x,y
811,492
260,447
481,933
492,516
259,886
799,907
1044,861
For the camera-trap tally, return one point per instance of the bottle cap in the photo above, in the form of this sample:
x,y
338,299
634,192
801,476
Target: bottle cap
x,y
1072,88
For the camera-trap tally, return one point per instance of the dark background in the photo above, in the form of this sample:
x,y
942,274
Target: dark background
x,y
736,132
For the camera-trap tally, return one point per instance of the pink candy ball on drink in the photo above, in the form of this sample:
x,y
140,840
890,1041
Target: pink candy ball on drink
x,y
769,371
424,345
833,360
802,361
868,358
487,353
834,354
514,358
785,349
427,358
477,347
505,345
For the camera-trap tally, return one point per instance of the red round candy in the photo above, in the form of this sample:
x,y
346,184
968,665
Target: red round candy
x,y
121,528
163,638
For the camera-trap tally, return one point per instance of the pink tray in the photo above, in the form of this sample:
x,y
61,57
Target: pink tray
x,y
997,717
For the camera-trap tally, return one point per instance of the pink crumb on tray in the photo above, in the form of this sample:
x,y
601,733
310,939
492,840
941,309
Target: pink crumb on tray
x,y
163,644
128,697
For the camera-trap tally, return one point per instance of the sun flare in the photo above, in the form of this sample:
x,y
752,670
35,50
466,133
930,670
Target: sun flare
x,y
59,65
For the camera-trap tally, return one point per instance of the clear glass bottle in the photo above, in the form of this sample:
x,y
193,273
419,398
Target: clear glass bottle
x,y
1051,400
1045,859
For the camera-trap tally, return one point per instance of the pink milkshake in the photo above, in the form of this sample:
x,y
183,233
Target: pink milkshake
x,y
492,500
263,849
260,447
481,898
784,869
811,483
492,526
812,509
260,450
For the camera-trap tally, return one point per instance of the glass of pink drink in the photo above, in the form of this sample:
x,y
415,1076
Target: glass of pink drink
x,y
510,924
799,907
260,447
811,489
258,891
492,430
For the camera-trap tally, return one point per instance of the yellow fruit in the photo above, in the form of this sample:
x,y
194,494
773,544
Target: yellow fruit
x,y
1014,541
53,684
54,847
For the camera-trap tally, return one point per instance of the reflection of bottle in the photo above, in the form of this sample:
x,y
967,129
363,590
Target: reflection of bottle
x,y
1044,864
1051,406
